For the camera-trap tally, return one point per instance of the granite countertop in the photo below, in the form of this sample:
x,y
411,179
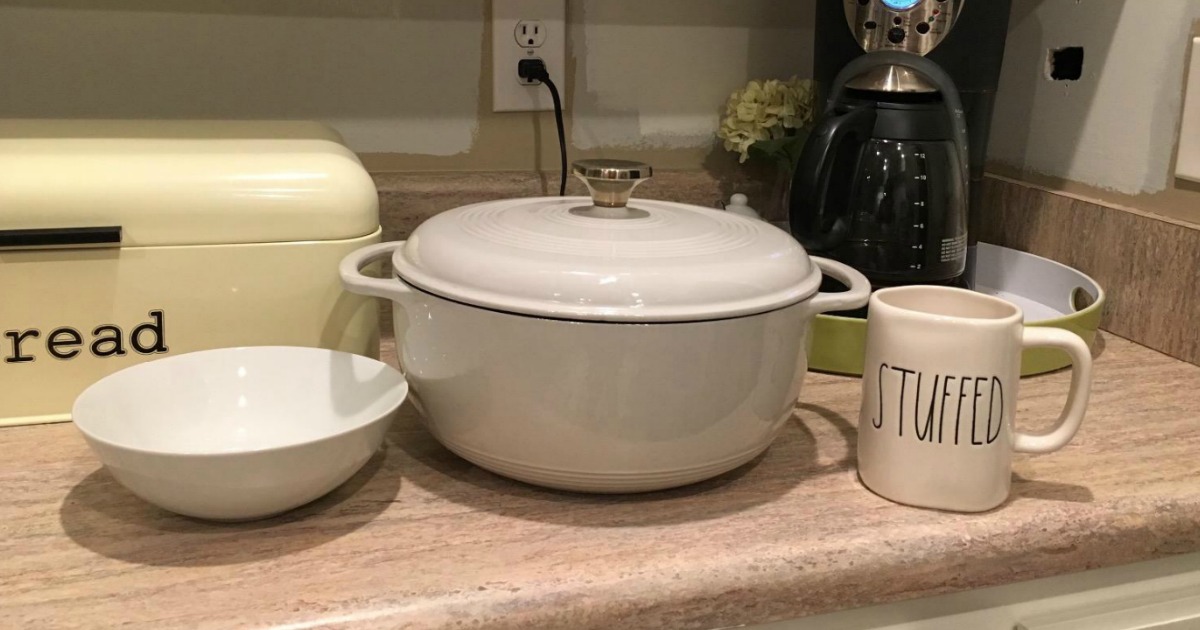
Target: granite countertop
x,y
420,538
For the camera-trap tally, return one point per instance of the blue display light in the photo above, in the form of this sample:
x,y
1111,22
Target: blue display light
x,y
900,5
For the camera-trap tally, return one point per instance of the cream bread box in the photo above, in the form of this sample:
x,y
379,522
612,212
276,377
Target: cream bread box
x,y
122,242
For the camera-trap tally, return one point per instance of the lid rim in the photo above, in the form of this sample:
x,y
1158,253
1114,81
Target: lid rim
x,y
661,315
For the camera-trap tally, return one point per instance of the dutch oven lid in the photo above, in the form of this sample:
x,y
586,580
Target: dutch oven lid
x,y
607,258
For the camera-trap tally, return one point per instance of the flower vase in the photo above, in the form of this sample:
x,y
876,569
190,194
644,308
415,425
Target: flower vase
x,y
779,204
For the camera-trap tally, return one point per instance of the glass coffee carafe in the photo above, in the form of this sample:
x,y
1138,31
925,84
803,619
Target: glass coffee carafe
x,y
882,182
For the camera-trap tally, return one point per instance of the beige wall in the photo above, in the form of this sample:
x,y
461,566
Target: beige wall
x,y
405,81
1112,134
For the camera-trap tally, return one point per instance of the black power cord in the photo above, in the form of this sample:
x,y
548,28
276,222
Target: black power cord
x,y
535,70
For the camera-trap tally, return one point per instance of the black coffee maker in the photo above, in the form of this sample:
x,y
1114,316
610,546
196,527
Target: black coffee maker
x,y
888,182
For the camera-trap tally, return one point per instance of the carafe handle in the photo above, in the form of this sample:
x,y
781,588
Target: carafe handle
x,y
818,227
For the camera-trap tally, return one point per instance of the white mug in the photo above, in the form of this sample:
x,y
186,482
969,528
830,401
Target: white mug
x,y
940,383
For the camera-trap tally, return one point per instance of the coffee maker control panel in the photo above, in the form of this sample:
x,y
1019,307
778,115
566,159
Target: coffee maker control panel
x,y
915,26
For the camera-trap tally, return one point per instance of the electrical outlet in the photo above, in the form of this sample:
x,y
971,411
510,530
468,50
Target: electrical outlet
x,y
530,34
527,29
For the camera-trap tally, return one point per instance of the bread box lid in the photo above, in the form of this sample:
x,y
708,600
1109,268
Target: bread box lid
x,y
183,182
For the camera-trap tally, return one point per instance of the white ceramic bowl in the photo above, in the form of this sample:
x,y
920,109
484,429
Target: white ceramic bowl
x,y
240,433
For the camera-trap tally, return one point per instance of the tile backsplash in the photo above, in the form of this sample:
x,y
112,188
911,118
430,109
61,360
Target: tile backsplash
x,y
1148,266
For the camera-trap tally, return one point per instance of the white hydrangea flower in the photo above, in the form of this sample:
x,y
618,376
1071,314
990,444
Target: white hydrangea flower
x,y
766,110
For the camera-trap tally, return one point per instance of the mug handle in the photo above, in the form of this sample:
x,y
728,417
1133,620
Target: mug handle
x,y
856,297
1077,398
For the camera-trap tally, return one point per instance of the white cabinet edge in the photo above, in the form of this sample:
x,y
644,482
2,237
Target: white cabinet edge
x,y
1187,162
1156,595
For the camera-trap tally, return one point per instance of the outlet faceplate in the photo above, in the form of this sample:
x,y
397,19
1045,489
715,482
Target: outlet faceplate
x,y
530,34
510,45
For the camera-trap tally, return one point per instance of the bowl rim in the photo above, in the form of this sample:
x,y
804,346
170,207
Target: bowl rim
x,y
368,420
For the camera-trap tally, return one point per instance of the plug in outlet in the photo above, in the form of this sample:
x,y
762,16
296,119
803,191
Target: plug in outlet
x,y
527,29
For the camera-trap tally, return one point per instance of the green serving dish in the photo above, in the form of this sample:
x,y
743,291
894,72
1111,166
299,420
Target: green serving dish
x,y
1051,294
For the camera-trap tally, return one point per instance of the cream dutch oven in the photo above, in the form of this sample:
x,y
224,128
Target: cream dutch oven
x,y
604,344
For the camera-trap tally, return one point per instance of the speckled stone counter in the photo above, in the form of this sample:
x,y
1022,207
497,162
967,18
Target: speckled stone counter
x,y
422,539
